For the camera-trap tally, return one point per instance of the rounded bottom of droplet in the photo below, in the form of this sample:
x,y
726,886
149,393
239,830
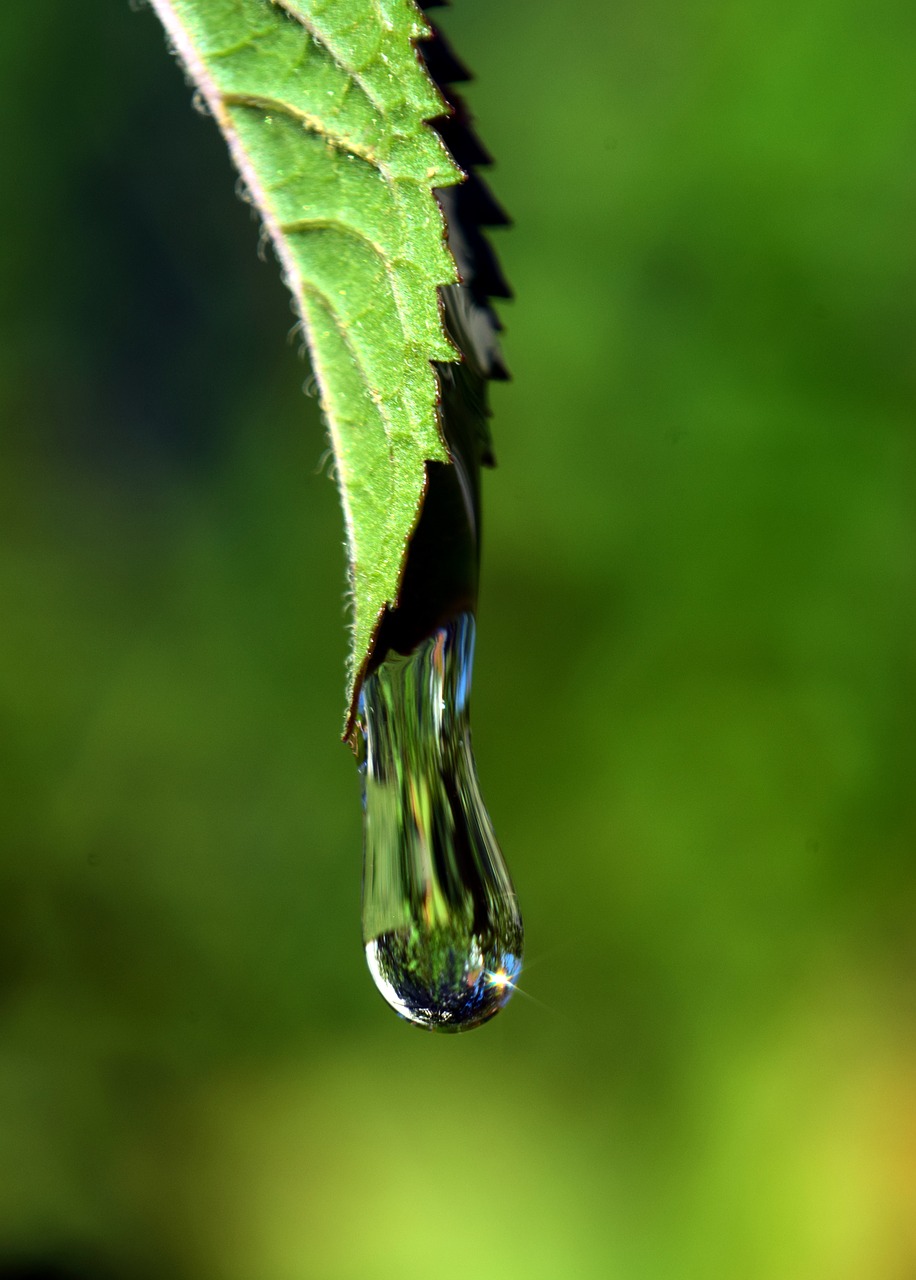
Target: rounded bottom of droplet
x,y
434,983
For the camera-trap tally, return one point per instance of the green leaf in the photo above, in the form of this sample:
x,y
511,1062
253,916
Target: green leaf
x,y
324,107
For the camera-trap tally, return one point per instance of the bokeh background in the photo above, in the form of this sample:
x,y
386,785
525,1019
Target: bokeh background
x,y
694,703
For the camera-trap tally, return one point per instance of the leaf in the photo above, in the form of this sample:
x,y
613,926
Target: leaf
x,y
324,106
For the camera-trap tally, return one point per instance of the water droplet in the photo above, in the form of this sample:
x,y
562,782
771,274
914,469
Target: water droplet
x,y
441,922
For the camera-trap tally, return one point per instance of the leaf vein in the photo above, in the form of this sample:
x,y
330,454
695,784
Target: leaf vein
x,y
314,124
297,15
305,225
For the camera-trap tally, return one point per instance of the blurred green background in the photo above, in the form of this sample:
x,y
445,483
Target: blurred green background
x,y
693,703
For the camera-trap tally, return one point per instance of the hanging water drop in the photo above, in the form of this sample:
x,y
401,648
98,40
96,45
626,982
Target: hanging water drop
x,y
441,923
